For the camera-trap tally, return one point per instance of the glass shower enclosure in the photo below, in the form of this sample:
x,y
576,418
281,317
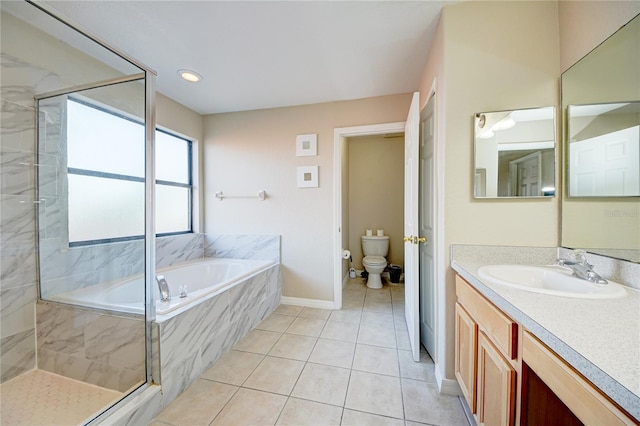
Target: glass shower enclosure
x,y
77,219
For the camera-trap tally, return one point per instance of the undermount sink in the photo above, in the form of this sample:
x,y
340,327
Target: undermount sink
x,y
553,280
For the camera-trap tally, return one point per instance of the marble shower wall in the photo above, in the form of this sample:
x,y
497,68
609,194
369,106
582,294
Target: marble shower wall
x,y
187,344
18,290
99,348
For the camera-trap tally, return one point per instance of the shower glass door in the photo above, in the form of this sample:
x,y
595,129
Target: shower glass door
x,y
77,219
91,219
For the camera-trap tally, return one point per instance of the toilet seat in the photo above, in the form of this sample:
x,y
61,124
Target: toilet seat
x,y
374,260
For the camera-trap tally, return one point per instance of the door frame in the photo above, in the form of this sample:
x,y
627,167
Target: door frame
x,y
339,138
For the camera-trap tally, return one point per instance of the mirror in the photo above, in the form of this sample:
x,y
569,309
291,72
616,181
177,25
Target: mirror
x,y
601,103
604,155
515,153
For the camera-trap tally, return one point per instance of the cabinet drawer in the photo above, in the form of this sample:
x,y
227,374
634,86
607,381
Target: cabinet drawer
x,y
502,329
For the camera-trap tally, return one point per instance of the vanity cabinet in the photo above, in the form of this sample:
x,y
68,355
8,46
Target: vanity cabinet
x,y
486,357
508,376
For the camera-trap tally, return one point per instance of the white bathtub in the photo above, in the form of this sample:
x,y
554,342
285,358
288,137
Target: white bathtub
x,y
203,278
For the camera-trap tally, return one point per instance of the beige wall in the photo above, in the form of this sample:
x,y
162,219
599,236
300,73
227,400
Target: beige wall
x,y
586,24
253,150
493,56
376,193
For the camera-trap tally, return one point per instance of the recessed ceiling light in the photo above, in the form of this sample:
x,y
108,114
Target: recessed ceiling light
x,y
190,76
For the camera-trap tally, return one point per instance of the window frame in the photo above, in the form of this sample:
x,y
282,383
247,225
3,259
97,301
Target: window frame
x,y
116,176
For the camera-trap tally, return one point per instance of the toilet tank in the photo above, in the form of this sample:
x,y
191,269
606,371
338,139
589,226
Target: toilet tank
x,y
375,246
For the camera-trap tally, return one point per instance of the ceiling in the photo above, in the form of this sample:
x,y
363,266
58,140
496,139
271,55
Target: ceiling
x,y
266,54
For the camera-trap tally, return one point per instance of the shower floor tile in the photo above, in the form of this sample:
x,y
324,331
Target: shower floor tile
x,y
42,398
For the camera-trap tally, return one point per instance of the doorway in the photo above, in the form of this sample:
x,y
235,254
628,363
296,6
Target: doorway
x,y
341,191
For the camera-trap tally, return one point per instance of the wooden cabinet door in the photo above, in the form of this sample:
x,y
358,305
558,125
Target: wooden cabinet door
x,y
496,386
466,355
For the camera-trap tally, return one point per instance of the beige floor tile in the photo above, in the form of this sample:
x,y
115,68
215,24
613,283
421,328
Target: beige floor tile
x,y
376,394
322,383
377,306
423,403
293,346
353,302
306,327
346,315
199,404
344,331
258,341
275,322
378,319
241,410
333,352
298,412
233,368
376,336
315,313
423,370
402,340
277,375
379,295
375,359
357,418
291,310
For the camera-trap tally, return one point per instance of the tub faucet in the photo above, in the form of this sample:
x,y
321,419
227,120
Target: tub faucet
x,y
164,288
582,268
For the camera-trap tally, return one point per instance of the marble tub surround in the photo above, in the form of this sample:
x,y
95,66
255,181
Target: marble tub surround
x,y
175,249
99,348
264,247
599,338
188,343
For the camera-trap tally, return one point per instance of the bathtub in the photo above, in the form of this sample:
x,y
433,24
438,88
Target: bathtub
x,y
202,279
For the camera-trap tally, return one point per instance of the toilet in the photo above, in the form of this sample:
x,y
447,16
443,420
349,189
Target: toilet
x,y
375,249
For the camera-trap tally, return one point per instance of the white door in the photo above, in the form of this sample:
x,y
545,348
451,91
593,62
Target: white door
x,y
411,277
427,225
606,165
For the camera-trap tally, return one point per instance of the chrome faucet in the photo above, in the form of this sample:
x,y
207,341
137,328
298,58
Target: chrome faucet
x,y
164,288
582,268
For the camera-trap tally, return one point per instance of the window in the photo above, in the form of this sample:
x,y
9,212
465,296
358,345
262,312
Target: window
x,y
105,165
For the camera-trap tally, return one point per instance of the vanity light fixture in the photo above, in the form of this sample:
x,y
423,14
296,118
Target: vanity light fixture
x,y
190,76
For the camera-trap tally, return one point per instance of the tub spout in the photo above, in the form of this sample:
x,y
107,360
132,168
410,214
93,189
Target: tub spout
x,y
164,288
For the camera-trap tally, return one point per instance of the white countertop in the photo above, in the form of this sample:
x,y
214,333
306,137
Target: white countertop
x,y
599,338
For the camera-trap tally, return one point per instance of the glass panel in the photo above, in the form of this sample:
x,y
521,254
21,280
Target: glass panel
x,y
172,209
101,287
102,208
101,141
172,158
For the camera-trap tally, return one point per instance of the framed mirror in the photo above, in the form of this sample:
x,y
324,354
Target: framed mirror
x,y
515,153
601,104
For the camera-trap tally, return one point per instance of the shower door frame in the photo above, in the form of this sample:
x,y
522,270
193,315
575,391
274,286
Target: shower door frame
x,y
149,76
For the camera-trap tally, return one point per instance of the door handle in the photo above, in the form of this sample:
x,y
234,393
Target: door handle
x,y
415,240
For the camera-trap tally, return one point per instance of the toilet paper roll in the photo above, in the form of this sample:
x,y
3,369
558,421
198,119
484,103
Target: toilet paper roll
x,y
380,233
346,254
369,232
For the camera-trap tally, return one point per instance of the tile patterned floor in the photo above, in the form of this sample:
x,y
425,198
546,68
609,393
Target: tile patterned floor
x,y
42,398
304,366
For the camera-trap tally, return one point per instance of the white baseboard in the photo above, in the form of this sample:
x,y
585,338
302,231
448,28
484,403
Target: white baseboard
x,y
447,386
308,303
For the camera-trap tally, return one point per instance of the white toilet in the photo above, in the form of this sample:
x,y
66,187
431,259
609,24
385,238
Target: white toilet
x,y
375,250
